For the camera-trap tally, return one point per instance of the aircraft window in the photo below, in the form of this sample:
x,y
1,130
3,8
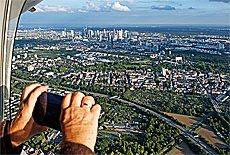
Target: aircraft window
x,y
161,87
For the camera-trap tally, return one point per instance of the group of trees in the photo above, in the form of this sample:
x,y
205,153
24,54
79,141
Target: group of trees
x,y
158,135
171,102
203,57
196,149
225,151
37,142
219,124
199,67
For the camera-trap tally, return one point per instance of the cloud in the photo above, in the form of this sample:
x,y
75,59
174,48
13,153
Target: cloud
x,y
131,1
163,7
53,8
105,8
102,0
39,10
90,6
90,3
96,8
79,10
118,7
108,4
169,2
144,1
224,1
190,8
135,15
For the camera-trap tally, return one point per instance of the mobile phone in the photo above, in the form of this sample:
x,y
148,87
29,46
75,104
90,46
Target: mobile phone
x,y
47,110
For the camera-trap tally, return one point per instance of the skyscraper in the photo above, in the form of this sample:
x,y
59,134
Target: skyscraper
x,y
120,33
114,33
84,31
72,33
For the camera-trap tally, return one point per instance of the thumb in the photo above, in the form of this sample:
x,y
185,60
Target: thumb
x,y
34,96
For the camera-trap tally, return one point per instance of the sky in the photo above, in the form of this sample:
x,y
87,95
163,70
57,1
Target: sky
x,y
128,12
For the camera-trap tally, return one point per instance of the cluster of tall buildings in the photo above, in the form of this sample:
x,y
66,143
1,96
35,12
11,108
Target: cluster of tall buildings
x,y
114,35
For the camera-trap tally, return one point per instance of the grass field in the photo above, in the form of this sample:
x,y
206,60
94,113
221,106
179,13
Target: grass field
x,y
210,136
187,120
182,149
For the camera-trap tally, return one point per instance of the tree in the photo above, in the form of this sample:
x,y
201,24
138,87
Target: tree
x,y
148,135
46,148
129,152
161,136
157,80
112,153
158,147
170,105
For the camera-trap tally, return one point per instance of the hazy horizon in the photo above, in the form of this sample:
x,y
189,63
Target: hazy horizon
x,y
128,13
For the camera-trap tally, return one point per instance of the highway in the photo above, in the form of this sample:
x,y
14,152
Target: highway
x,y
123,131
184,131
200,121
22,80
215,104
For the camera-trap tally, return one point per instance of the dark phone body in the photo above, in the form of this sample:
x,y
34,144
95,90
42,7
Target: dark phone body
x,y
47,110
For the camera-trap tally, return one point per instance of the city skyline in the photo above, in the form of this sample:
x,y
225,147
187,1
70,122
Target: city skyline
x,y
158,89
128,12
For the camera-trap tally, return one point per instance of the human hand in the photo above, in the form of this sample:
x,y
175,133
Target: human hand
x,y
78,122
23,125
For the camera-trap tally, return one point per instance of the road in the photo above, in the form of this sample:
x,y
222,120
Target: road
x,y
22,80
97,94
200,121
184,131
123,131
214,103
167,149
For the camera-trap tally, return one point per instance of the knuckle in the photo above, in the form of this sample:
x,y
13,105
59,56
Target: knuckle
x,y
35,94
98,106
78,94
29,87
75,93
91,97
68,95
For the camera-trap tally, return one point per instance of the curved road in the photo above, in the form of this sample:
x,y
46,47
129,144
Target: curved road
x,y
22,80
184,131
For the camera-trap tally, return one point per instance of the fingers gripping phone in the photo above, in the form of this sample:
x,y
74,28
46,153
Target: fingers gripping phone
x,y
47,110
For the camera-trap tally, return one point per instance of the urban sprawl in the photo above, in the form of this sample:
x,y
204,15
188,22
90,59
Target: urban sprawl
x,y
144,72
